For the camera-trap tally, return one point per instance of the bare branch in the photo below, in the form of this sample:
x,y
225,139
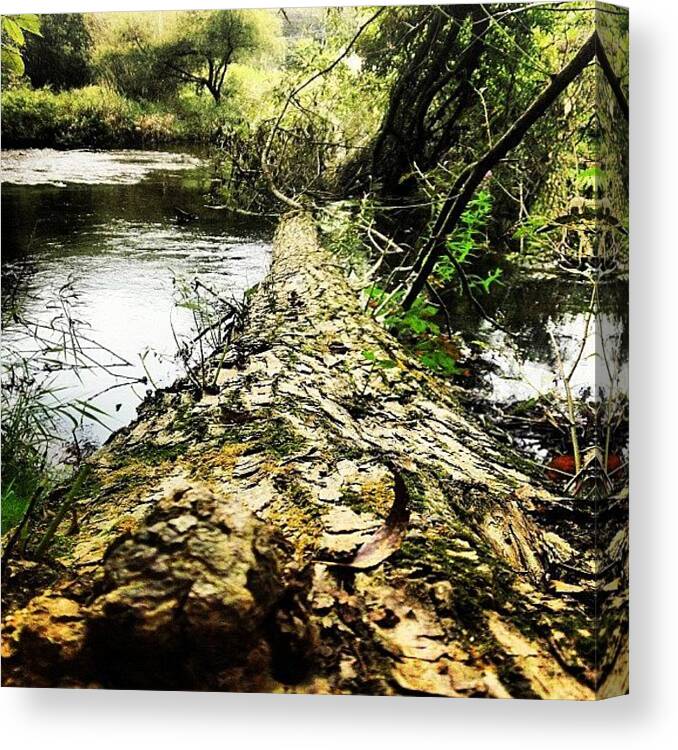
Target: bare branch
x,y
265,166
468,181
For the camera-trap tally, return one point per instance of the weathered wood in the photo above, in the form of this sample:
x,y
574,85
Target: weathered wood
x,y
217,531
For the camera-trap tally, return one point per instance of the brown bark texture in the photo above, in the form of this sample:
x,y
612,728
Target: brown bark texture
x,y
321,524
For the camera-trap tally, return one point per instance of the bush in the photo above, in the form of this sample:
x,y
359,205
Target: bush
x,y
28,117
91,117
60,56
134,73
95,117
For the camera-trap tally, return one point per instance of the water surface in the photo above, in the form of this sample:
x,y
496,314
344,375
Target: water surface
x,y
103,226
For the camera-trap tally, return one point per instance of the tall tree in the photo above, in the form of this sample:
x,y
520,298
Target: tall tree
x,y
203,48
61,57
437,52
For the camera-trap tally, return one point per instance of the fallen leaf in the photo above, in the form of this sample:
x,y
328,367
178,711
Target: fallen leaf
x,y
389,537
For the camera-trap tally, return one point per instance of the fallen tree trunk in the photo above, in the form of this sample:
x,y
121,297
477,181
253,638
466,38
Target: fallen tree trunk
x,y
318,525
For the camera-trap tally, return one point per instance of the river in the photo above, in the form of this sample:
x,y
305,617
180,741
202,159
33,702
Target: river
x,y
99,232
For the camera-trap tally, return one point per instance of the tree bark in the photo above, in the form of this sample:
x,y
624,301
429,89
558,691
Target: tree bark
x,y
321,524
412,130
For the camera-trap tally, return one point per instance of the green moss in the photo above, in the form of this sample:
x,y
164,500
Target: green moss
x,y
90,487
514,680
295,491
262,431
61,545
356,502
153,454
346,449
194,425
297,515
478,586
415,492
580,630
136,466
278,437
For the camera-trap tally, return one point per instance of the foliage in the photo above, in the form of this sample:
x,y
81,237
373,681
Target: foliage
x,y
207,42
28,117
343,226
24,459
14,39
416,328
146,57
463,244
94,117
346,224
61,56
470,235
34,407
123,54
214,319
308,135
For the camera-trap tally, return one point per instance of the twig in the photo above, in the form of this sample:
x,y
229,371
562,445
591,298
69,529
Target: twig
x,y
265,166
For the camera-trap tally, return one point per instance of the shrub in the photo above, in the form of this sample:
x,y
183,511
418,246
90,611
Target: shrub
x,y
133,73
96,117
60,56
90,117
28,117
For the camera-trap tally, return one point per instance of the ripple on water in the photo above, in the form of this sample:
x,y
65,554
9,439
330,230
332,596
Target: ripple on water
x,y
111,230
38,166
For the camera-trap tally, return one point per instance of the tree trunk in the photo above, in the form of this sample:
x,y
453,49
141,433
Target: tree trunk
x,y
215,91
322,524
405,136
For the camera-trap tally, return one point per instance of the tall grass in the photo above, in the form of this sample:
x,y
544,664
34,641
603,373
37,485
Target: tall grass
x,y
35,416
94,116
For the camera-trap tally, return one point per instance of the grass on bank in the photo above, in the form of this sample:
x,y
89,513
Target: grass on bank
x,y
99,117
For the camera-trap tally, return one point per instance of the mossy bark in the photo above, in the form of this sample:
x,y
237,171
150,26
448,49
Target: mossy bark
x,y
218,534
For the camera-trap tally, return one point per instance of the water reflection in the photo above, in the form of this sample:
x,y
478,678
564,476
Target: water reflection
x,y
522,362
46,166
519,372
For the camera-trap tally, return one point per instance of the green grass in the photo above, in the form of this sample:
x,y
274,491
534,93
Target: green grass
x,y
13,507
98,117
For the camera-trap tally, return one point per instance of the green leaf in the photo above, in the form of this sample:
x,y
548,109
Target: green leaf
x,y
376,292
28,22
194,306
369,356
439,362
11,60
593,177
13,30
417,325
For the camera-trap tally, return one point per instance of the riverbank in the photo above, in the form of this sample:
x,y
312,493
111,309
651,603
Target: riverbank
x,y
98,117
384,543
